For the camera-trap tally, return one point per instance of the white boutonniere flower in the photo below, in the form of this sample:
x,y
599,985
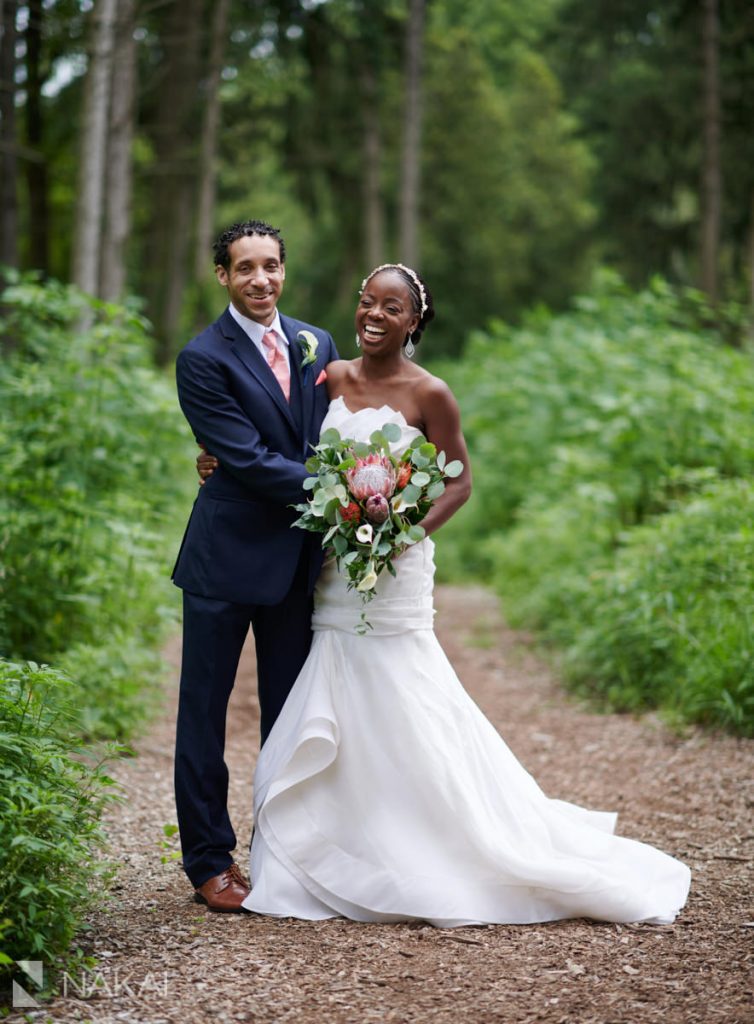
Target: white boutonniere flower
x,y
309,346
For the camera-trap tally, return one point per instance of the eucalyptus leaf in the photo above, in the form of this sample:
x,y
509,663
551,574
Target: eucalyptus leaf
x,y
420,479
454,468
410,493
340,544
331,436
392,431
435,490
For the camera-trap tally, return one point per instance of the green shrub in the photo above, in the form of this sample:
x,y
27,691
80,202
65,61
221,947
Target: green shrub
x,y
581,428
51,800
95,444
96,488
671,622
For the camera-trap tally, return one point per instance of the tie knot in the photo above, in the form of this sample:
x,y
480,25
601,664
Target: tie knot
x,y
269,340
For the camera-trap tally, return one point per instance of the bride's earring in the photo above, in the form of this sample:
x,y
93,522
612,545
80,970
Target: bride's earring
x,y
358,343
409,348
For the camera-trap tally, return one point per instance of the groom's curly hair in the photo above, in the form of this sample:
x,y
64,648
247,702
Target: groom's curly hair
x,y
244,229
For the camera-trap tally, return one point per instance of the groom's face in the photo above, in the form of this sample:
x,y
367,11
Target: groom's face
x,y
255,276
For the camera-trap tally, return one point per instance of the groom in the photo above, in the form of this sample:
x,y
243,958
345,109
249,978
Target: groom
x,y
254,395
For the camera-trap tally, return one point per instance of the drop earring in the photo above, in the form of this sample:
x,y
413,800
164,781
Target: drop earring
x,y
358,342
409,348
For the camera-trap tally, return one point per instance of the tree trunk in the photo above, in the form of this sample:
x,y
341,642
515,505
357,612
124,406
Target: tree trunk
x,y
36,166
208,155
91,189
751,268
174,170
119,160
8,146
711,170
374,219
410,163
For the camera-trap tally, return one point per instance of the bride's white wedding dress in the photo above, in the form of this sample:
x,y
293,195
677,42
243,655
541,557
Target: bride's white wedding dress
x,y
384,794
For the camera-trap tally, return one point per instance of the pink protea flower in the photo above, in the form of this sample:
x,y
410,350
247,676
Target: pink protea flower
x,y
404,475
377,508
371,475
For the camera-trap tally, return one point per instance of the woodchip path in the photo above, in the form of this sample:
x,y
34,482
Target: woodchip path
x,y
162,958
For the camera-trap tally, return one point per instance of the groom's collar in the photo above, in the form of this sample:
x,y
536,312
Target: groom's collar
x,y
254,330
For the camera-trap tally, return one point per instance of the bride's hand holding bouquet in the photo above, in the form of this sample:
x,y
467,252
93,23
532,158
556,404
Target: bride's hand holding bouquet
x,y
369,504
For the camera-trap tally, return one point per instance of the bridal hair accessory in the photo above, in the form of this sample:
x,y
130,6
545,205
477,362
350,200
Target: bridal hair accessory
x,y
409,348
407,270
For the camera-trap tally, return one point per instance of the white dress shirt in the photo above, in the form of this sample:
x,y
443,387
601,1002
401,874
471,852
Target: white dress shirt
x,y
256,331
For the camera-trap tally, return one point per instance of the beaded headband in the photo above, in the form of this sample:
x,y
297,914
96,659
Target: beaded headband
x,y
411,273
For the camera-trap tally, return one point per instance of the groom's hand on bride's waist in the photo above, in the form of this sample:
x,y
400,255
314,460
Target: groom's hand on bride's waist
x,y
206,464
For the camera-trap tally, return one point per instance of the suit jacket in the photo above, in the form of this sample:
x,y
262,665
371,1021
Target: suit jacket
x,y
239,545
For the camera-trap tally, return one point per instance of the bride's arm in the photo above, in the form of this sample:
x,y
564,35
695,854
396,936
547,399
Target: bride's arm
x,y
442,426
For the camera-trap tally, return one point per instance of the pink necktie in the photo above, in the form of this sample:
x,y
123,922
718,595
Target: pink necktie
x,y
278,363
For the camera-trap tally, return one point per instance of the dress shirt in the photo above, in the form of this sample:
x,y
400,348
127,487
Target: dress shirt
x,y
256,331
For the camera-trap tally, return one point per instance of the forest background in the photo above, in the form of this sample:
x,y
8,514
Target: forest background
x,y
576,183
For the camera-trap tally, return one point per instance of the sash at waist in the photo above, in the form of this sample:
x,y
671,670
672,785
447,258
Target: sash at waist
x,y
385,618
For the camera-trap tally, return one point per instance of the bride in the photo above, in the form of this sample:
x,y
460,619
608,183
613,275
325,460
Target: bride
x,y
382,792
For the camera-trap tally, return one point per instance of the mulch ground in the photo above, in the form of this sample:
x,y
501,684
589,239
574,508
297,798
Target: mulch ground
x,y
162,958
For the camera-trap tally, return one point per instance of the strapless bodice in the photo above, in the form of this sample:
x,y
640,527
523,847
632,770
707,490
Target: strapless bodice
x,y
360,425
402,602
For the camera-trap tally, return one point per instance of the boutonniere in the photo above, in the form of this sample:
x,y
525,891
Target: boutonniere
x,y
309,346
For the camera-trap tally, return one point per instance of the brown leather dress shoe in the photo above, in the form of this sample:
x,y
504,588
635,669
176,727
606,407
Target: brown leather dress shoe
x,y
225,892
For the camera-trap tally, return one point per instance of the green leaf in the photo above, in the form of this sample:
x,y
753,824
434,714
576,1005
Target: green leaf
x,y
454,468
392,431
435,490
416,533
420,479
410,493
340,544
330,436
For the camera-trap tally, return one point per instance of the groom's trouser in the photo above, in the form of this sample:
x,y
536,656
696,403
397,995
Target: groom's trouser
x,y
213,635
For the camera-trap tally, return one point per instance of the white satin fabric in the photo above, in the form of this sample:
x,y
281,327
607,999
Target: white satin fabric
x,y
384,794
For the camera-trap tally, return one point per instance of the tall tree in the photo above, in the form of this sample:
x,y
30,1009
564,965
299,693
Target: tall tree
x,y
36,164
208,149
119,158
374,213
411,157
173,170
711,165
91,191
8,145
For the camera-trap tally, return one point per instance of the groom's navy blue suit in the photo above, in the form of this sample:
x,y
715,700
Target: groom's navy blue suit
x,y
240,562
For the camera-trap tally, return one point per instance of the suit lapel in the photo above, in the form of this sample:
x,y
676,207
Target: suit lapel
x,y
304,377
245,349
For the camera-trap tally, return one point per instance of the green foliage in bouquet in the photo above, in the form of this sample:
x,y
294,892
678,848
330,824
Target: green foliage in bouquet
x,y
368,503
593,436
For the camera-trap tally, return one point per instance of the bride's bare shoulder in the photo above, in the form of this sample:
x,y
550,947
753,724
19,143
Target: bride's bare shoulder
x,y
338,372
431,389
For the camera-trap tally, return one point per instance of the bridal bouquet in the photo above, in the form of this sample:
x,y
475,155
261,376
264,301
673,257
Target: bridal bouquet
x,y
369,504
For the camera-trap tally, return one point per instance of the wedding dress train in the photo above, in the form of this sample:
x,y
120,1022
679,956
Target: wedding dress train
x,y
384,794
